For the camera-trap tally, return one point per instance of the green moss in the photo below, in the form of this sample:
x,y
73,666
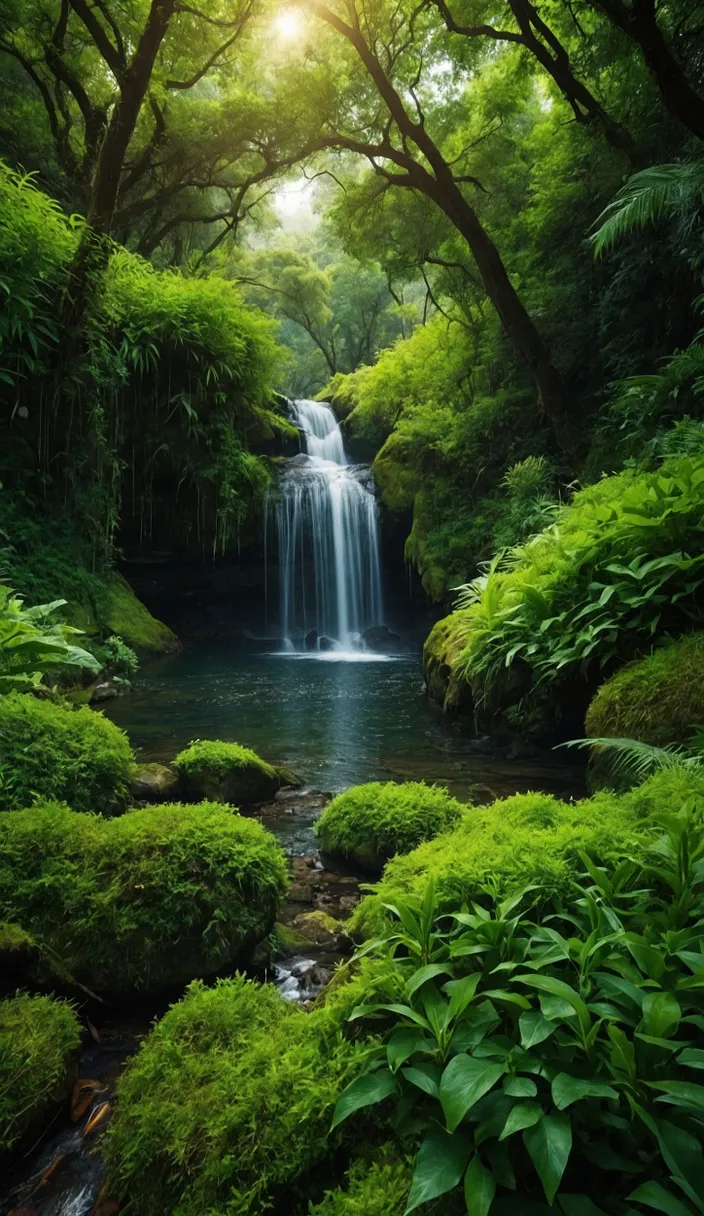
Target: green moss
x,y
227,772
529,838
664,792
443,647
657,700
73,755
227,1105
121,613
155,897
13,939
379,1189
38,1039
370,823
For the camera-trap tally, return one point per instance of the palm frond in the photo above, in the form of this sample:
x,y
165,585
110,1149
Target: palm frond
x,y
662,190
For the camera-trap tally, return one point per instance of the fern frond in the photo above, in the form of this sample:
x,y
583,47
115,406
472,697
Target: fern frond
x,y
633,758
662,190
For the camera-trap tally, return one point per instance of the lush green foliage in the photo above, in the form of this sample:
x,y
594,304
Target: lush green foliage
x,y
529,838
50,751
534,1053
657,700
39,1037
227,1105
32,643
378,1189
370,823
151,898
227,772
119,658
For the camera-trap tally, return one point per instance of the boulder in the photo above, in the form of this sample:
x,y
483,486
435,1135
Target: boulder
x,y
153,783
381,639
318,928
226,772
311,640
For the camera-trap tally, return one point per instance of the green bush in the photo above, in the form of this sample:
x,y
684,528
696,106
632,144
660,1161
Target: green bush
x,y
529,838
554,1057
226,772
151,898
379,1189
73,755
370,823
32,644
227,1105
39,1037
656,700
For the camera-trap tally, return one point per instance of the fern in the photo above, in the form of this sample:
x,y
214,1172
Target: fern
x,y
634,759
660,191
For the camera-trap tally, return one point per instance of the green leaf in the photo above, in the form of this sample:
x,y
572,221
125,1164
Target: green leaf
x,y
479,1188
691,1057
439,1166
534,1029
655,1196
680,1093
461,992
425,1077
567,1089
520,1087
579,1205
661,1013
549,1144
365,1091
546,983
403,1043
422,975
463,1083
524,1114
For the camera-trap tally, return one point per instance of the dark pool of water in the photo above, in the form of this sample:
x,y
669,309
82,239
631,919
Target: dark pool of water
x,y
336,723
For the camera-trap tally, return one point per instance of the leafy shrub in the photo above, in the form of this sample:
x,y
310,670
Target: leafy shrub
x,y
621,564
155,897
557,1056
226,772
657,699
529,838
118,657
48,751
370,823
227,1104
32,644
39,1037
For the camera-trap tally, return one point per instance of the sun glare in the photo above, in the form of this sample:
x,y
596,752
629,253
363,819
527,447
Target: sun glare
x,y
288,24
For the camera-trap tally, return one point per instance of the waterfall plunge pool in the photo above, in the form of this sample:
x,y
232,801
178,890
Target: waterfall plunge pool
x,y
336,723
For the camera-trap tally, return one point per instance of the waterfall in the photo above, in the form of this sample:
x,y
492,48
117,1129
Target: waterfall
x,y
328,539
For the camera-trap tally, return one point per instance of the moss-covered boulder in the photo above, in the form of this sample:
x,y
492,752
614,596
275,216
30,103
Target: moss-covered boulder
x,y
529,838
123,614
39,1037
227,772
443,647
153,783
657,700
227,1105
370,823
153,898
73,755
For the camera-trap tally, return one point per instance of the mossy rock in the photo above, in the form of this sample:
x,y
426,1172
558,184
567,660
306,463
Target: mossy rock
x,y
153,783
657,700
529,838
377,1189
121,613
370,823
318,928
227,1105
441,652
39,1038
227,772
73,755
148,900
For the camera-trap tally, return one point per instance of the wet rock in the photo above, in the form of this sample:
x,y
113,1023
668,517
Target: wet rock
x,y
311,640
105,691
381,639
320,928
325,643
154,783
482,795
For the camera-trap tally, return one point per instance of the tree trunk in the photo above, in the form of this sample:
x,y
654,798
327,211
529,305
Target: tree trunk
x,y
640,24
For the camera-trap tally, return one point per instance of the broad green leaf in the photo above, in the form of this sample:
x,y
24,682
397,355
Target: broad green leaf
x,y
479,1188
422,975
691,1057
520,1087
404,1043
567,1089
549,1144
534,1029
680,1093
655,1196
579,1205
546,983
682,1153
424,1076
524,1114
461,992
661,1013
439,1166
365,1091
463,1083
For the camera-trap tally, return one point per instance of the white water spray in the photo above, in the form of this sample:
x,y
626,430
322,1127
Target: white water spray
x,y
328,536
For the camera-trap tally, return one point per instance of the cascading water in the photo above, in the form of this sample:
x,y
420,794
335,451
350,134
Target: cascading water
x,y
328,539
